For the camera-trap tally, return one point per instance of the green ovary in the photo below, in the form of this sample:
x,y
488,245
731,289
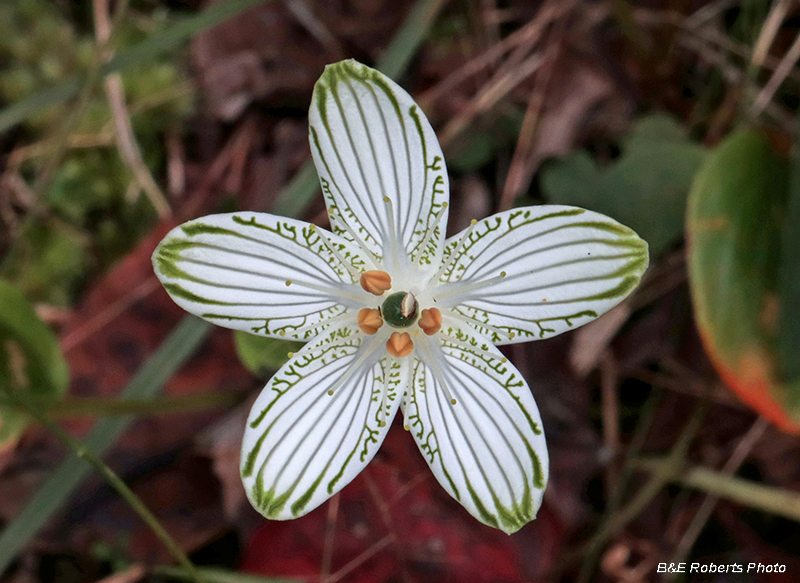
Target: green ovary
x,y
400,309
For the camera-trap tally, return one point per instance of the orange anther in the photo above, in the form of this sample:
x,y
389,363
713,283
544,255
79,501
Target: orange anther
x,y
430,321
376,282
369,320
400,344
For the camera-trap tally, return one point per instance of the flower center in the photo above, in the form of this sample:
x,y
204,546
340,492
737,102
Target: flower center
x,y
400,309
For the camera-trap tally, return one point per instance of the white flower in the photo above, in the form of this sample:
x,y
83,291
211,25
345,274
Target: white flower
x,y
395,316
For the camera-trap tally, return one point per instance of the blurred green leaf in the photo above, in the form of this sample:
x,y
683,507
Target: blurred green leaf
x,y
736,224
30,359
48,261
645,188
478,147
263,356
789,279
87,181
656,127
473,152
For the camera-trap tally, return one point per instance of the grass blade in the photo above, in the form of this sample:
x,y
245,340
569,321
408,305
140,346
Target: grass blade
x,y
175,350
211,575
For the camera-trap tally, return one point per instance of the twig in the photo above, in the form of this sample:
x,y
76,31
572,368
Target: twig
x,y
767,35
330,534
776,501
105,316
491,27
708,12
304,14
743,449
45,147
706,34
126,140
616,519
609,379
360,559
520,170
386,515
129,575
778,77
501,85
110,477
528,34
176,164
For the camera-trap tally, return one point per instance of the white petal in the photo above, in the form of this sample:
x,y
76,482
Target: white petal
x,y
233,269
302,445
369,141
488,450
564,266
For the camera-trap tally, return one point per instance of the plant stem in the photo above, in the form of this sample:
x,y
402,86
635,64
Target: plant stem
x,y
213,575
746,492
113,480
99,406
68,474
743,449
618,519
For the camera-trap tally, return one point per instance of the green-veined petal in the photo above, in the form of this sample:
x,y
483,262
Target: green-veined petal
x,y
233,269
301,444
563,266
369,141
488,450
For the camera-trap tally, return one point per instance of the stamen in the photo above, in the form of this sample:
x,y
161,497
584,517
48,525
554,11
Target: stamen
x,y
347,265
369,320
430,321
475,322
459,289
437,372
369,351
400,345
385,391
406,395
363,246
327,290
376,282
429,235
392,233
406,401
453,257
